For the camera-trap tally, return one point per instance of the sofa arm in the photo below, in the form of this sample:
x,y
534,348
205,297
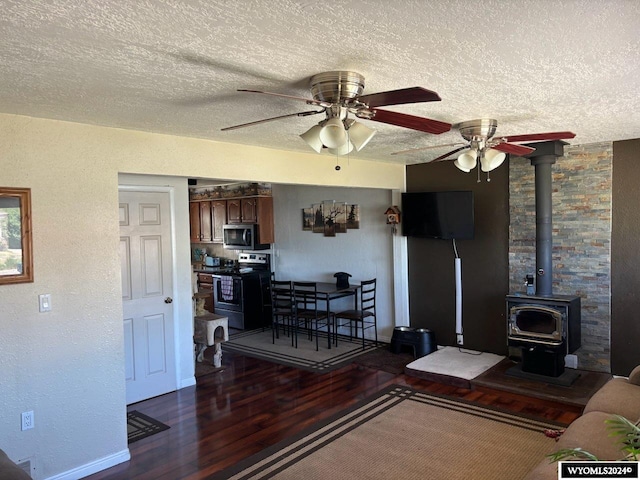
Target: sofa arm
x,y
634,376
617,397
9,470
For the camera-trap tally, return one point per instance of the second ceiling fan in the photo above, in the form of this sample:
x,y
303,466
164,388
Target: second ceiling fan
x,y
481,145
339,95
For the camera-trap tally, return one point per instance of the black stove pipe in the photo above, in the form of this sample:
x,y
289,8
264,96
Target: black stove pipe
x,y
542,160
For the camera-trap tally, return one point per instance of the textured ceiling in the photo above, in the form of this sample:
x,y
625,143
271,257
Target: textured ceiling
x,y
174,66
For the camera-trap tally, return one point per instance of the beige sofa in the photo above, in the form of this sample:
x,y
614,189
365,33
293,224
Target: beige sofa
x,y
619,396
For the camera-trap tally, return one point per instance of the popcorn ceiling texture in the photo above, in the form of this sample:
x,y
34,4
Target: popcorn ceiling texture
x,y
581,200
174,66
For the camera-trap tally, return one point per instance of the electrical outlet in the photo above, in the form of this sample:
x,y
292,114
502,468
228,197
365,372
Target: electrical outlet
x,y
571,361
27,420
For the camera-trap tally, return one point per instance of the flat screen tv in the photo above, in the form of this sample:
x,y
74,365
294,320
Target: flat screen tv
x,y
446,215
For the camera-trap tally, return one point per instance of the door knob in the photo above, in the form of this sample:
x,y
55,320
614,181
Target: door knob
x,y
168,300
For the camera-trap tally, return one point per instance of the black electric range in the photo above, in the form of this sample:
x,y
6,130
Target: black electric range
x,y
240,292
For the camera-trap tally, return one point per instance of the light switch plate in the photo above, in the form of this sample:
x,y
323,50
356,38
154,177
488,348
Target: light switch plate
x,y
45,302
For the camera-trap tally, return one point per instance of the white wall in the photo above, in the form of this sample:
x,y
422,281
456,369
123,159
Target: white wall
x,y
68,365
365,253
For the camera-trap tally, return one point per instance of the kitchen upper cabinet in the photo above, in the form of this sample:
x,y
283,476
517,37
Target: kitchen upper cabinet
x,y
245,210
234,211
194,221
206,220
208,217
219,216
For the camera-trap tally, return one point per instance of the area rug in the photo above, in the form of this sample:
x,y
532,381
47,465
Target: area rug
x,y
404,433
259,344
140,426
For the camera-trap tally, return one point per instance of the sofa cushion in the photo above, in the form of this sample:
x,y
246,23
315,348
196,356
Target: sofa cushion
x,y
617,396
634,376
590,433
9,470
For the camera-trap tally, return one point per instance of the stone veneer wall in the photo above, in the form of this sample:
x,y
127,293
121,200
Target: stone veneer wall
x,y
581,200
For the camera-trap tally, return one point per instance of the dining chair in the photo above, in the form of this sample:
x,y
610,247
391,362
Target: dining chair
x,y
306,300
283,309
365,316
265,296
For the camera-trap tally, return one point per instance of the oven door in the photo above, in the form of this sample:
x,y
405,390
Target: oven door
x,y
227,292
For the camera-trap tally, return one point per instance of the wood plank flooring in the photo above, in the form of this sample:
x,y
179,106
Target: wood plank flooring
x,y
253,404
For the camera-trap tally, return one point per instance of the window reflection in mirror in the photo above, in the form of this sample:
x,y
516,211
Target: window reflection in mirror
x,y
16,264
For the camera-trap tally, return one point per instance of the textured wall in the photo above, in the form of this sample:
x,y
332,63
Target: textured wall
x,y
68,365
362,252
581,202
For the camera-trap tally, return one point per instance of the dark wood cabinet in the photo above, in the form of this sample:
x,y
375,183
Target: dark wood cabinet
x,y
249,210
219,216
234,211
194,221
206,219
205,222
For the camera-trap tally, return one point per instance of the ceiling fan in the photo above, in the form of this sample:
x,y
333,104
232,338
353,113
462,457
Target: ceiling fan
x,y
339,94
482,145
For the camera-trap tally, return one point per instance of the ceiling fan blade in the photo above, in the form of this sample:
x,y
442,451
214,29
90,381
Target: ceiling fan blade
x,y
536,137
519,150
310,101
299,114
447,155
399,97
430,147
410,121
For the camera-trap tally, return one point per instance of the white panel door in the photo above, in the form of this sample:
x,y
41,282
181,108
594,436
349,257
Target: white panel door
x,y
146,262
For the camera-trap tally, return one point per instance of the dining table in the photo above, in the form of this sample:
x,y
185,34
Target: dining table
x,y
328,291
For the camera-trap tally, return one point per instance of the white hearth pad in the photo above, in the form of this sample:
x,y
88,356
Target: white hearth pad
x,y
453,362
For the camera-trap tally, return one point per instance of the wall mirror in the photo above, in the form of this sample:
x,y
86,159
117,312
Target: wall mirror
x,y
16,256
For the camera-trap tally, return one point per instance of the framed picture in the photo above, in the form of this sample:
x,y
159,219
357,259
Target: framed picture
x,y
330,212
318,218
307,218
353,216
341,218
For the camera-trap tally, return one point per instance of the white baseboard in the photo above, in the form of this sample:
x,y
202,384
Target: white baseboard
x,y
94,467
187,382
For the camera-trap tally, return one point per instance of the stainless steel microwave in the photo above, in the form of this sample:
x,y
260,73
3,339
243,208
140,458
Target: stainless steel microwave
x,y
242,236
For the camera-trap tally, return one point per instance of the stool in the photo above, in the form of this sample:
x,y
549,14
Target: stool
x,y
422,340
210,329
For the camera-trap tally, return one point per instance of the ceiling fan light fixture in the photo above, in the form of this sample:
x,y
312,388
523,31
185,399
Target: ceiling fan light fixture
x,y
333,134
312,137
359,135
492,159
343,150
467,160
460,167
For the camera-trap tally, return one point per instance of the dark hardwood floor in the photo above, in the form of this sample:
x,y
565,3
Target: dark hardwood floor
x,y
253,404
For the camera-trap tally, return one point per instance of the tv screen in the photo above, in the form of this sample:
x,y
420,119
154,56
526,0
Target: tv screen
x,y
447,215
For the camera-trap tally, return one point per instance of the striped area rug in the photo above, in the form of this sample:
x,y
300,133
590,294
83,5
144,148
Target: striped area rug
x,y
140,426
259,344
407,434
